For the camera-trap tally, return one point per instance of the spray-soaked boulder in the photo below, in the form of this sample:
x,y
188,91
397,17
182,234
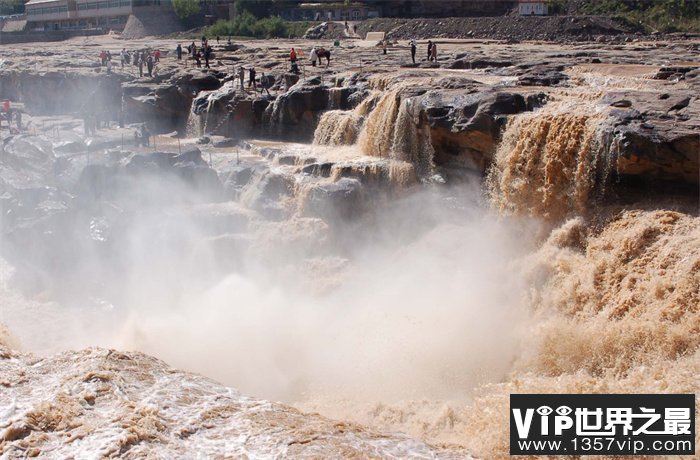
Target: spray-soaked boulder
x,y
265,192
171,169
297,106
226,111
236,178
163,106
337,200
205,82
294,114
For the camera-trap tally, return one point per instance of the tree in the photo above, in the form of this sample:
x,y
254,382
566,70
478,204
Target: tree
x,y
257,8
8,7
185,8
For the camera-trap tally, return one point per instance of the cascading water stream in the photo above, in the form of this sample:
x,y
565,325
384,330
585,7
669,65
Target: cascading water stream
x,y
550,162
198,118
388,131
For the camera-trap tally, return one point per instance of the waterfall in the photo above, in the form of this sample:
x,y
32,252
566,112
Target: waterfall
x,y
334,97
199,116
391,130
549,162
337,127
377,136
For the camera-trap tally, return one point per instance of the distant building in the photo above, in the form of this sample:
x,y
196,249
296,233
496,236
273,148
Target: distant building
x,y
533,8
82,14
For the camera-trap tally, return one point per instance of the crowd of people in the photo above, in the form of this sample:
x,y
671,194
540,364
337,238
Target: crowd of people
x,y
139,58
203,52
149,58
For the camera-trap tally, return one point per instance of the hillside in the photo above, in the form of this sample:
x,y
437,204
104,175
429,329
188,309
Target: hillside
x,y
500,28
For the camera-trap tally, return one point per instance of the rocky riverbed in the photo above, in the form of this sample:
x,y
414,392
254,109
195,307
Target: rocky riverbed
x,y
334,243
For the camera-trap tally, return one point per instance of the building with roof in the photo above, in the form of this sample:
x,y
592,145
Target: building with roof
x,y
533,8
82,14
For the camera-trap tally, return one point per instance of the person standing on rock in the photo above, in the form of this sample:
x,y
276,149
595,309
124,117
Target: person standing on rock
x,y
251,78
103,57
266,82
241,76
140,64
207,56
413,50
149,64
122,56
430,49
178,51
434,51
293,60
156,56
313,56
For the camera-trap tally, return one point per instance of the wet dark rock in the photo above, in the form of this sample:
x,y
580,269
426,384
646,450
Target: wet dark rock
x,y
202,178
542,77
190,170
465,128
674,72
297,107
238,177
652,144
479,63
226,111
264,193
294,114
680,104
269,152
318,169
621,103
225,142
287,159
358,96
205,82
164,107
338,200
